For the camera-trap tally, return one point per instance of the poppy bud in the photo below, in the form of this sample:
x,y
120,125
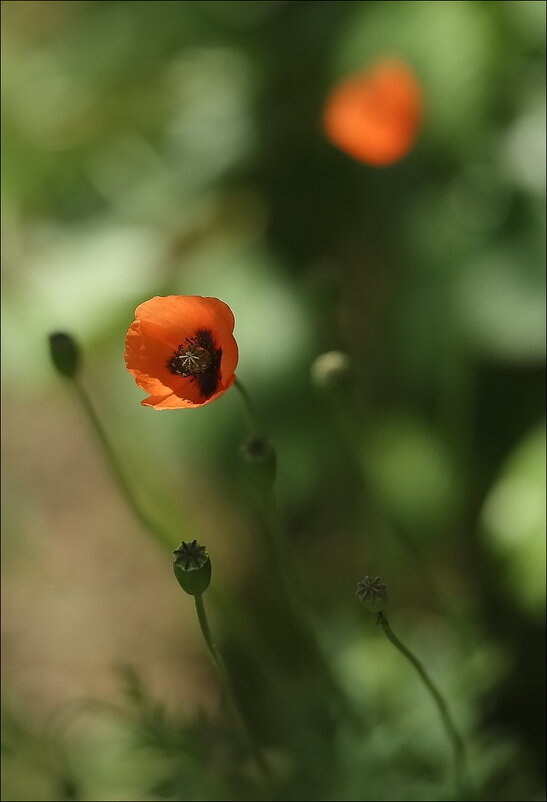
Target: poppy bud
x,y
331,370
192,567
260,461
65,354
372,592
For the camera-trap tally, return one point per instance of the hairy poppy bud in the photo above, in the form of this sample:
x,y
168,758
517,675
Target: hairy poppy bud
x,y
65,354
331,370
260,461
192,567
372,592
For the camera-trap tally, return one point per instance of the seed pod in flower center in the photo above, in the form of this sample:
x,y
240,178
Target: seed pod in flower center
x,y
198,359
190,360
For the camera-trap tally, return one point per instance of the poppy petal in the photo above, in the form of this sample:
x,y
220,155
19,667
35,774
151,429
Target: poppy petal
x,y
181,315
146,357
192,398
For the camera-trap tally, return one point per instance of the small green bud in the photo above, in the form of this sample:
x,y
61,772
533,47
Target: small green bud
x,y
372,592
192,567
260,461
332,370
65,354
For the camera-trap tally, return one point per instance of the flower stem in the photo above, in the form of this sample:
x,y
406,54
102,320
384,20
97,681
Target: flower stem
x,y
279,546
252,417
165,539
227,685
451,730
159,533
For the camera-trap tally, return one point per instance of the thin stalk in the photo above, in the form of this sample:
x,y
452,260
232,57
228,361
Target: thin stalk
x,y
275,524
252,417
450,728
164,538
279,546
159,533
227,685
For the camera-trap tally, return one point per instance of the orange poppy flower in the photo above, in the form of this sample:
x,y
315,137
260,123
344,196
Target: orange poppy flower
x,y
181,350
374,115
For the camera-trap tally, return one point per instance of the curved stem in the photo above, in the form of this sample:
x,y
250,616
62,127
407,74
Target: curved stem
x,y
279,547
227,684
213,649
165,539
159,533
252,417
453,734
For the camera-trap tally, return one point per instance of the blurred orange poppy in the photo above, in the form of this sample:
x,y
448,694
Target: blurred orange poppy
x,y
181,350
374,115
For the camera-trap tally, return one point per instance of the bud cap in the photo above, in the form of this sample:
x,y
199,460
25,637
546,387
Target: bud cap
x,y
372,593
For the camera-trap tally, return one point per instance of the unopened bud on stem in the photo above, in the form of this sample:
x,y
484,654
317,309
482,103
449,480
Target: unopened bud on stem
x,y
65,354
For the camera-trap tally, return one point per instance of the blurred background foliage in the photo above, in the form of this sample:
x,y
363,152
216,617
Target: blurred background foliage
x,y
176,147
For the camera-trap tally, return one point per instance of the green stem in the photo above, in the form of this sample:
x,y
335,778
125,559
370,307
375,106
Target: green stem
x,y
227,685
453,734
278,542
164,538
149,523
273,516
252,417
159,534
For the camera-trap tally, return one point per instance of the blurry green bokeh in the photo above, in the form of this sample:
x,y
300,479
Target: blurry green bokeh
x,y
514,521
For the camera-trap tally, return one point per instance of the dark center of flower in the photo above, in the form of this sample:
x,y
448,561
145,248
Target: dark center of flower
x,y
198,358
190,360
